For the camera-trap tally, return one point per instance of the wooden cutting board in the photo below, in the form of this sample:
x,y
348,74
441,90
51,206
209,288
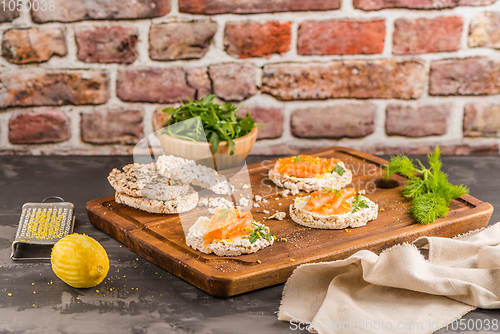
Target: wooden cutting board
x,y
160,238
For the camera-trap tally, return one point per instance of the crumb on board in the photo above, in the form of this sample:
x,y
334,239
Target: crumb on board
x,y
215,202
285,193
278,215
243,201
266,211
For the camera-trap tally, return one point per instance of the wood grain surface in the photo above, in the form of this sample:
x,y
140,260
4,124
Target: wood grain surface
x,y
161,240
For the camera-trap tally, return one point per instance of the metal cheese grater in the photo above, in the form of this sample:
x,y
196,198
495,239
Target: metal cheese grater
x,y
40,227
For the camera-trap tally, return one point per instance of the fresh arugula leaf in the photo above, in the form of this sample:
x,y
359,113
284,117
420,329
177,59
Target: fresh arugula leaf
x,y
339,169
260,232
217,122
215,140
231,144
428,188
358,204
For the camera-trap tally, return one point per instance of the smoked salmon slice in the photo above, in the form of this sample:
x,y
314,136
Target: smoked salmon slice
x,y
228,224
330,201
305,166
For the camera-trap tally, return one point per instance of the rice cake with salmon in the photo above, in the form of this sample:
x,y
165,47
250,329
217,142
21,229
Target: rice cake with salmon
x,y
229,233
333,209
307,173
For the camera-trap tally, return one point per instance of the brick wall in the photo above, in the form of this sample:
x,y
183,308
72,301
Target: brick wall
x,y
376,75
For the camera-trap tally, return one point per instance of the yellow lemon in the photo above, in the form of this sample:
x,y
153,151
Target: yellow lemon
x,y
79,260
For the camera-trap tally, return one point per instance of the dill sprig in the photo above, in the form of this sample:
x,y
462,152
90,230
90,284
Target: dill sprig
x,y
328,190
225,214
260,232
358,204
429,190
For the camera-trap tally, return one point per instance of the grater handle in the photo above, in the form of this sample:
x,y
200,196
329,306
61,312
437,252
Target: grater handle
x,y
53,197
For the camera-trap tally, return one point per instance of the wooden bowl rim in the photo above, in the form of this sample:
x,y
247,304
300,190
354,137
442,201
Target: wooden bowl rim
x,y
248,136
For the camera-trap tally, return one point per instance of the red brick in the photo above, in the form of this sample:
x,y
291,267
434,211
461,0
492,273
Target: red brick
x,y
8,15
484,30
159,119
53,88
252,39
482,120
233,82
347,120
156,85
107,45
39,128
417,4
440,34
78,10
22,46
117,126
475,2
341,37
254,6
412,4
429,120
198,79
470,76
180,40
348,79
271,117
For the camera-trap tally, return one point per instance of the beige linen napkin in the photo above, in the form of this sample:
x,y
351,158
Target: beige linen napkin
x,y
402,290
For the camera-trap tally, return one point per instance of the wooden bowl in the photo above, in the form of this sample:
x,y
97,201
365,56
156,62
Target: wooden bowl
x,y
202,151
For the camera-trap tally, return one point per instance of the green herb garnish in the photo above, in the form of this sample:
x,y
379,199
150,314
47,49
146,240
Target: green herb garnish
x,y
430,191
358,204
260,232
297,159
329,190
225,214
338,169
212,121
